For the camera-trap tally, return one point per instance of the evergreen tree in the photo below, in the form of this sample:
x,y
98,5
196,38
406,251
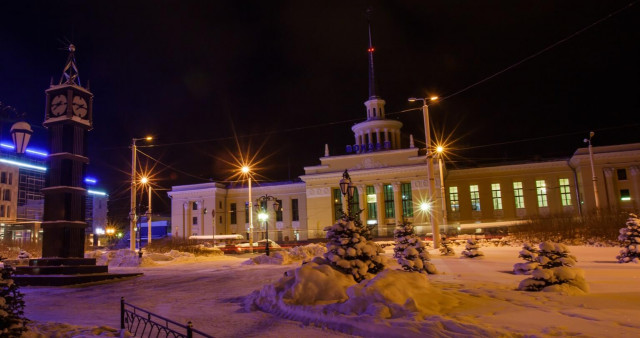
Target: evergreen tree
x,y
630,239
556,268
472,249
12,320
529,253
348,249
445,247
411,251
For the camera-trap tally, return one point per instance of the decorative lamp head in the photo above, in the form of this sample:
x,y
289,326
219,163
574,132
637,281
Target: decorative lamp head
x,y
21,134
345,182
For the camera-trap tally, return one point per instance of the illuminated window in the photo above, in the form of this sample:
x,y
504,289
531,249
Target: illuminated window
x,y
565,191
372,203
279,211
475,197
337,204
355,202
407,200
232,213
388,201
518,192
624,195
541,191
453,199
497,196
622,174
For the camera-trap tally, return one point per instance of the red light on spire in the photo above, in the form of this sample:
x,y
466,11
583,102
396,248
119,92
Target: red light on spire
x,y
370,50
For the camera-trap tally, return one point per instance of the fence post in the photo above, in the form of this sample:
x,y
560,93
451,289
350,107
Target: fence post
x,y
189,329
122,313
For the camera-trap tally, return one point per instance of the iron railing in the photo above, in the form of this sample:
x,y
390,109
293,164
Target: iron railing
x,y
142,323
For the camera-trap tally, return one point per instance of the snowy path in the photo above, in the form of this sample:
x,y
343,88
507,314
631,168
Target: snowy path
x,y
208,293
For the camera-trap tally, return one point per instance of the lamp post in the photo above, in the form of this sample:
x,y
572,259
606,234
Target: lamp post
x,y
347,190
440,151
145,181
132,213
594,179
430,178
247,172
264,216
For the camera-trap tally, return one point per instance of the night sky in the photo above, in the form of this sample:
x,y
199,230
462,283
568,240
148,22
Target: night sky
x,y
286,77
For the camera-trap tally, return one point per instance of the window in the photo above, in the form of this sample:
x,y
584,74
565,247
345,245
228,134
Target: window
x,y
195,220
355,202
195,205
496,196
233,213
388,201
3,177
453,199
407,200
372,203
475,197
6,195
337,204
279,211
565,191
518,192
220,218
219,204
2,210
622,174
624,195
8,214
541,190
295,216
10,178
246,212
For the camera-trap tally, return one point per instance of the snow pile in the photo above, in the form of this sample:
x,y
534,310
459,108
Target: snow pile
x,y
630,239
445,247
304,253
349,251
410,251
49,329
130,258
556,272
24,255
529,253
472,249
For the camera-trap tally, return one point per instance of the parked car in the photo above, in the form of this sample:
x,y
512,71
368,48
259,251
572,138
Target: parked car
x,y
258,246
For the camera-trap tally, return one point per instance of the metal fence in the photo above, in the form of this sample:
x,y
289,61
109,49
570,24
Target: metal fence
x,y
142,323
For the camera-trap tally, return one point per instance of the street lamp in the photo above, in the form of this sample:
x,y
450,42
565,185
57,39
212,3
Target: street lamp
x,y
145,181
440,151
247,172
264,216
132,214
430,178
594,179
347,190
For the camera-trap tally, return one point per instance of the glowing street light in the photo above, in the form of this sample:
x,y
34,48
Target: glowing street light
x,y
246,171
440,151
133,215
430,178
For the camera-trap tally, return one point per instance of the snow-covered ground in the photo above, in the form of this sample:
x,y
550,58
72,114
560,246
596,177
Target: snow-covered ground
x,y
468,297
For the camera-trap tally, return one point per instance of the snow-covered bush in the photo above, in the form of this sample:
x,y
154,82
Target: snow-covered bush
x,y
24,255
630,239
529,253
445,247
472,249
349,251
12,320
556,271
410,251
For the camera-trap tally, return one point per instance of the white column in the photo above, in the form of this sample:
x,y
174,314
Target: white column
x,y
397,202
382,223
635,186
377,136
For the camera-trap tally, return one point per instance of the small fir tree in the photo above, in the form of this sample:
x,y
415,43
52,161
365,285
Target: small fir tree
x,y
410,251
349,251
12,319
445,247
556,270
472,249
529,253
630,239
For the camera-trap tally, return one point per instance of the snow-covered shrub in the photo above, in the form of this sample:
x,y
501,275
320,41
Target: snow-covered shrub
x,y
349,251
410,251
23,255
12,320
630,239
556,271
445,247
472,249
529,253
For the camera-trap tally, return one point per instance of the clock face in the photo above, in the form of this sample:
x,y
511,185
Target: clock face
x,y
80,107
59,105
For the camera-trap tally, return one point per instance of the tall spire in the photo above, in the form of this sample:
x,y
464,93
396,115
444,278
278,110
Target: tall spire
x,y
70,72
373,86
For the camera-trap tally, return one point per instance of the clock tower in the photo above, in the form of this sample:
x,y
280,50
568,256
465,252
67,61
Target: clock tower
x,y
68,117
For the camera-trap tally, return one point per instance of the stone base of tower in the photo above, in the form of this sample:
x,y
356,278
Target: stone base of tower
x,y
64,271
63,240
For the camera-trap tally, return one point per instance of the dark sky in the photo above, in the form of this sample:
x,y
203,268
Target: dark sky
x,y
290,76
